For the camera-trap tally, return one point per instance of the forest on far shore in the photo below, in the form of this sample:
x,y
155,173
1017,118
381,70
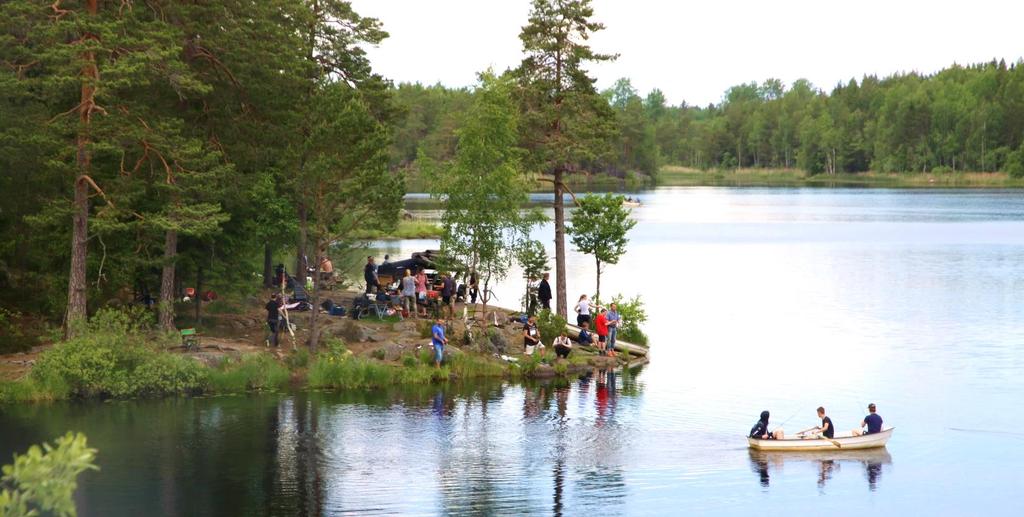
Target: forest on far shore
x,y
963,118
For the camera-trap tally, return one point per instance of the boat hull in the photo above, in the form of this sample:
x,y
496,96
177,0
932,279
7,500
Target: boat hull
x,y
847,442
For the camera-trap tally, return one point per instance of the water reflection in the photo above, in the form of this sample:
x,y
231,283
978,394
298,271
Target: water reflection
x,y
825,463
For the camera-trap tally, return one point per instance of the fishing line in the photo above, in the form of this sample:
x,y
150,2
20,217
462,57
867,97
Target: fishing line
x,y
985,431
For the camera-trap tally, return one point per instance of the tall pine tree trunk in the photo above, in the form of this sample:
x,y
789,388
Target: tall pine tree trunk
x,y
563,310
79,249
76,310
302,244
314,300
166,305
199,294
268,266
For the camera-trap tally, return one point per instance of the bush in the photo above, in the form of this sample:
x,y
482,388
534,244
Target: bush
x,y
633,316
116,363
550,326
942,169
298,359
1015,163
252,372
44,479
12,338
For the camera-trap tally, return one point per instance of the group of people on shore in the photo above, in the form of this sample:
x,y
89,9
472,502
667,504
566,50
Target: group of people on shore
x,y
413,287
607,321
871,424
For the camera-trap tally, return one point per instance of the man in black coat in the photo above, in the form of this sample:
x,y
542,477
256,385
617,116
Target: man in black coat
x,y
544,292
370,275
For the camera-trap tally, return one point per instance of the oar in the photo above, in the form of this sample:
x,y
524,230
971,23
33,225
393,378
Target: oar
x,y
837,444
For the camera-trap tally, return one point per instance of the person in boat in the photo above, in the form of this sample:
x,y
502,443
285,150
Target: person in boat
x,y
826,428
760,430
873,422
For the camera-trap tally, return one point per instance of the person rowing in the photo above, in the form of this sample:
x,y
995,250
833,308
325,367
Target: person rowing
x,y
826,428
760,430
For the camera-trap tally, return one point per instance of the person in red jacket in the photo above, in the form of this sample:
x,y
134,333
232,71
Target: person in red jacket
x,y
601,324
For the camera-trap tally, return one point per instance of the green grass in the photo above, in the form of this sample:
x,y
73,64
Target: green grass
x,y
252,372
406,230
672,175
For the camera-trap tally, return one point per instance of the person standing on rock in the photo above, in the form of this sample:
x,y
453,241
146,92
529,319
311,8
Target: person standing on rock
x,y
614,320
370,275
447,293
582,311
544,292
409,294
601,326
438,339
421,292
273,318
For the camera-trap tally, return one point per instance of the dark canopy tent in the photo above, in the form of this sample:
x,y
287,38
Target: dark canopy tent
x,y
420,260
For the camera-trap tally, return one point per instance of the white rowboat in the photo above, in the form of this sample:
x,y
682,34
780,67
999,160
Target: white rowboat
x,y
846,441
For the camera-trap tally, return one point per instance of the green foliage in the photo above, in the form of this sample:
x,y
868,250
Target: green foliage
x,y
298,359
533,258
550,325
633,317
1015,162
12,336
116,359
484,187
44,479
251,372
599,227
358,373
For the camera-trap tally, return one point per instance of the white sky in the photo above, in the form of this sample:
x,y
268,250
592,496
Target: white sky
x,y
693,51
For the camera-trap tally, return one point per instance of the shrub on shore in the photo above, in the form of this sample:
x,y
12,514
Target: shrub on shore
x,y
251,372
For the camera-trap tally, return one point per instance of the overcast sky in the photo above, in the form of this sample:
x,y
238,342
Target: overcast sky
x,y
694,50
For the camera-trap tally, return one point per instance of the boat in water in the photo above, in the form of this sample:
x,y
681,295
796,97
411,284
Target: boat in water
x,y
842,441
631,203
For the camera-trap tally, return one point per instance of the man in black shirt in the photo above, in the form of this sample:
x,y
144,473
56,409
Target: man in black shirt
x,y
273,319
544,293
370,275
826,429
447,292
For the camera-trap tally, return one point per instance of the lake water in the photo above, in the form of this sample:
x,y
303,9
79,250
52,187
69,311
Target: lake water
x,y
779,299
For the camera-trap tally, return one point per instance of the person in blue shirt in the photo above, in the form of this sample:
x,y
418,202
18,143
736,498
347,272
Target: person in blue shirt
x,y
439,341
585,338
614,320
873,422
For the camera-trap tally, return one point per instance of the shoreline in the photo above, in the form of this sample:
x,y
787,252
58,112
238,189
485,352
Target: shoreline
x,y
369,353
674,176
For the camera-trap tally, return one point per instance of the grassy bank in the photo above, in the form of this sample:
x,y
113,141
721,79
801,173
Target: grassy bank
x,y
120,356
407,229
671,175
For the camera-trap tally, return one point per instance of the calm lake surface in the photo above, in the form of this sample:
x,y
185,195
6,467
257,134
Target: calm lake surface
x,y
778,299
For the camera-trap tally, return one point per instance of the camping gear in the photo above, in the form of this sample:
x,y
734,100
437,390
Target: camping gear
x,y
190,339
